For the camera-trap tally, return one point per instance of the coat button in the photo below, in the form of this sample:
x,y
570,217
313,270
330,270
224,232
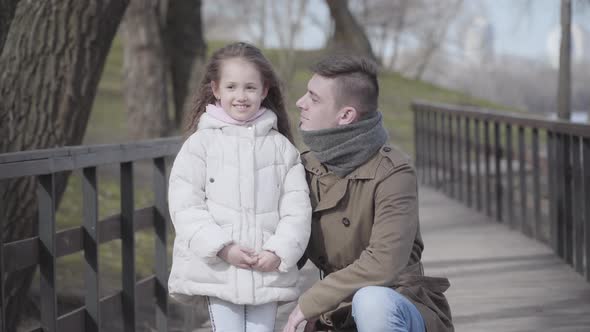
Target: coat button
x,y
211,180
346,222
386,149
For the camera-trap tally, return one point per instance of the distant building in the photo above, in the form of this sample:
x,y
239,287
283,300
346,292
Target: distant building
x,y
580,45
478,42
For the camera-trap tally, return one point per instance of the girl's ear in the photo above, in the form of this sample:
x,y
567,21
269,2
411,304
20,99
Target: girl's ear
x,y
215,89
265,92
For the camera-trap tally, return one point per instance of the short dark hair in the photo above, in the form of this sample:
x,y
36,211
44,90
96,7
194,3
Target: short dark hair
x,y
356,80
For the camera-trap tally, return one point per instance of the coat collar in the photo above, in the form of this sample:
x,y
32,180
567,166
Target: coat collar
x,y
330,199
262,125
368,170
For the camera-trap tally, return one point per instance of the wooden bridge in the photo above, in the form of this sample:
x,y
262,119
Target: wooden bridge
x,y
507,221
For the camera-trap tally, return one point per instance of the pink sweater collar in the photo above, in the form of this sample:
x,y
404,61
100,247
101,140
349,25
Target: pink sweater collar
x,y
217,112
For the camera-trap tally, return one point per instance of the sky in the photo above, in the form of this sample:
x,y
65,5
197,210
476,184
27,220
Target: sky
x,y
520,27
523,32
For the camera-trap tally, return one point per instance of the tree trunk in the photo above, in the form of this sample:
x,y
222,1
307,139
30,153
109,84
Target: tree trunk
x,y
7,8
187,49
564,91
348,35
50,64
144,70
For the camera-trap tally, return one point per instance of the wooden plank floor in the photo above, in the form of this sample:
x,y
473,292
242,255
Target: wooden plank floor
x,y
500,279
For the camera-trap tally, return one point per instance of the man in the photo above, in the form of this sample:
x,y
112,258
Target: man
x,y
365,234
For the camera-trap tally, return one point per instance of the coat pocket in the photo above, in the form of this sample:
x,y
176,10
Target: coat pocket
x,y
200,271
213,271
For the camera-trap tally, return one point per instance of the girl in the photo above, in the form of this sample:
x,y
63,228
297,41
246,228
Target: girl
x,y
238,197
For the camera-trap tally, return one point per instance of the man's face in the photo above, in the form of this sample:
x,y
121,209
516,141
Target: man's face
x,y
318,104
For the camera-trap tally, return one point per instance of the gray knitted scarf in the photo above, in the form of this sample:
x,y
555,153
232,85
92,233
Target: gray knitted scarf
x,y
344,148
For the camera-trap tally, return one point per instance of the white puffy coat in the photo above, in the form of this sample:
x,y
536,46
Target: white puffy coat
x,y
244,184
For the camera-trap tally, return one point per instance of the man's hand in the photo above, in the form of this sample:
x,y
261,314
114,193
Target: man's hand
x,y
296,318
267,261
238,256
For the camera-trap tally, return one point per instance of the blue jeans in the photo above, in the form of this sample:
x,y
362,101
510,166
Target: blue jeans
x,y
381,309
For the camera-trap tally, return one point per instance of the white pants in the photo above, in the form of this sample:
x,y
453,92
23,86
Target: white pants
x,y
228,317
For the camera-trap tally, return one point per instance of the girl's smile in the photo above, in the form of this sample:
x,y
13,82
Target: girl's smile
x,y
240,89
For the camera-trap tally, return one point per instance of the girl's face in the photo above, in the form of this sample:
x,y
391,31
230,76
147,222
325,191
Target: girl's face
x,y
240,88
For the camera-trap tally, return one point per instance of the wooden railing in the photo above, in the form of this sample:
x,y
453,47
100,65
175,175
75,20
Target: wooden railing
x,y
43,250
540,186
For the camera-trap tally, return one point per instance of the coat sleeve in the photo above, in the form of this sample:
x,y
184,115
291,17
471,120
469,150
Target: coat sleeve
x,y
186,196
392,237
292,233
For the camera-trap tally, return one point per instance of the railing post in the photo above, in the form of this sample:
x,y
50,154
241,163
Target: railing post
x,y
537,184
416,141
437,153
577,206
160,227
128,247
553,170
468,191
459,159
586,198
432,140
46,199
451,156
560,190
478,164
510,176
423,145
567,200
524,224
444,151
498,177
2,218
488,175
91,245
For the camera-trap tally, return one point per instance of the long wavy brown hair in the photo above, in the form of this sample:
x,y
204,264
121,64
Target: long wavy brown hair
x,y
274,100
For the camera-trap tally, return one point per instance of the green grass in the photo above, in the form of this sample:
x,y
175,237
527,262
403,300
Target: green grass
x,y
107,124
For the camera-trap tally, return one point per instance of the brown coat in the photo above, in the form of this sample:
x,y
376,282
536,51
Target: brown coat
x,y
365,232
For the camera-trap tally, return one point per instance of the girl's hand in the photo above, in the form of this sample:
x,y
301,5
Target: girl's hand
x,y
267,262
238,256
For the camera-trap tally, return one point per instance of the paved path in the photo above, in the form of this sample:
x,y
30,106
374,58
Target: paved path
x,y
500,279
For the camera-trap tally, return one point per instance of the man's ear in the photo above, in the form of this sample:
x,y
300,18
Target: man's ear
x,y
348,115
215,89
